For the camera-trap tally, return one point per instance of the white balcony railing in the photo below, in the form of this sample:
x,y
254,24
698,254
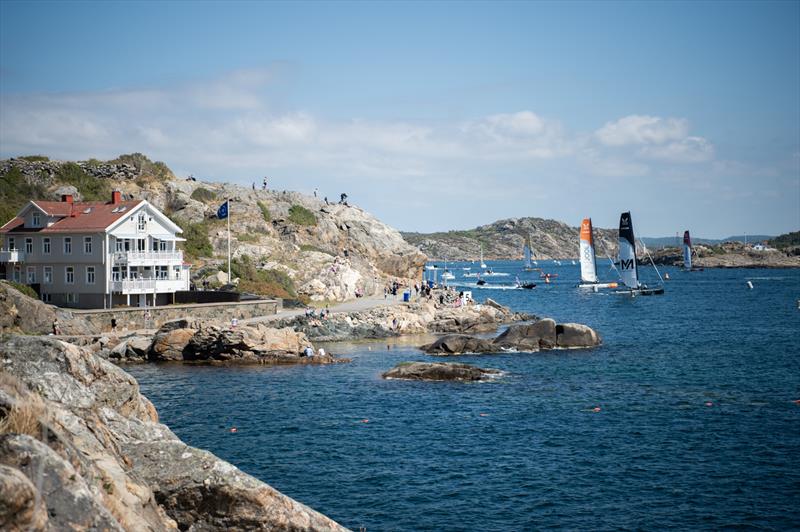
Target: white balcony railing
x,y
136,258
11,255
148,286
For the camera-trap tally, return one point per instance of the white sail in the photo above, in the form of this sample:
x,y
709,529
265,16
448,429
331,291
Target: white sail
x,y
527,252
483,264
687,251
627,252
588,262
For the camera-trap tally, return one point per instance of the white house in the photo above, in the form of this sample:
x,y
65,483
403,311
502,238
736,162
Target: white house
x,y
95,254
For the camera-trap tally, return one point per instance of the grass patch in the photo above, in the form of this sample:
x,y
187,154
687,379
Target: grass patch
x,y
272,283
301,216
311,247
247,237
35,158
90,188
23,288
265,212
144,165
23,417
203,194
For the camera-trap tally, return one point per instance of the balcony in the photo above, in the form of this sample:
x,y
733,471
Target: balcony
x,y
148,258
12,255
148,286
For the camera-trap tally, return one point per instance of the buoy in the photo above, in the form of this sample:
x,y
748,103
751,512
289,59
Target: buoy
x,y
483,415
796,401
365,420
596,409
709,403
750,284
233,429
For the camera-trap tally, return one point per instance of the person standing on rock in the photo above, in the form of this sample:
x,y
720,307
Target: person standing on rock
x,y
56,327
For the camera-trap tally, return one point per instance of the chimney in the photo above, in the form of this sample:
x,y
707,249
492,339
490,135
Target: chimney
x,y
116,197
66,198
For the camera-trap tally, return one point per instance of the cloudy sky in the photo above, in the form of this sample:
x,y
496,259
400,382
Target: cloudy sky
x,y
433,116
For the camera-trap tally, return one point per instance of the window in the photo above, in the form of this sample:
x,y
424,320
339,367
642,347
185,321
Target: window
x,y
37,220
72,298
90,275
48,275
142,221
67,245
162,272
47,298
28,245
12,245
115,274
46,245
69,275
120,245
162,245
87,245
31,278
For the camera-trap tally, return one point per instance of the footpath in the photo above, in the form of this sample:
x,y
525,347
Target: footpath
x,y
354,305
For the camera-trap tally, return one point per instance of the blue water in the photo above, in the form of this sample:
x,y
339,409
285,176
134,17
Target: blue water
x,y
528,452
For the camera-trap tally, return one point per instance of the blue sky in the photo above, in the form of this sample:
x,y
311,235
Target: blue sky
x,y
433,116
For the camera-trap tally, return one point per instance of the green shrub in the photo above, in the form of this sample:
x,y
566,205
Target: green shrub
x,y
273,283
90,188
204,195
23,288
301,216
265,212
785,241
197,242
35,158
144,165
15,191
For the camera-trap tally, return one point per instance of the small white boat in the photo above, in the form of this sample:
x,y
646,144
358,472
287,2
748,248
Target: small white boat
x,y
466,268
447,276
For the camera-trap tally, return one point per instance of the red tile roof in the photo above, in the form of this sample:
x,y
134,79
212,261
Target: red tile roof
x,y
98,219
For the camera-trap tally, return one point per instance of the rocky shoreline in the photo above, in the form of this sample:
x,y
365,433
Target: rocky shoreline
x,y
81,448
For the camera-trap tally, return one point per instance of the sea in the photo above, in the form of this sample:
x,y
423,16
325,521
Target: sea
x,y
686,418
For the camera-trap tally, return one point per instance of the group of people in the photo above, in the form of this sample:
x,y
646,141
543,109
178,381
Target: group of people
x,y
309,352
312,313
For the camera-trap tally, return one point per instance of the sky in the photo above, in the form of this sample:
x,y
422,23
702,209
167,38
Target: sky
x,y
432,116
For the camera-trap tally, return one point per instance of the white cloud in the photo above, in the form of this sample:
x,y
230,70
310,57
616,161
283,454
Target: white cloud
x,y
686,150
642,129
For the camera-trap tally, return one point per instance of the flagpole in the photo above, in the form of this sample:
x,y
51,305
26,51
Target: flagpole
x,y
229,241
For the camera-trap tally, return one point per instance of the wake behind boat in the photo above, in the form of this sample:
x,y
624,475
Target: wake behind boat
x,y
589,259
629,269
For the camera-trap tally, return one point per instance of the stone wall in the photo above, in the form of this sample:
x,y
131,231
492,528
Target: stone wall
x,y
133,318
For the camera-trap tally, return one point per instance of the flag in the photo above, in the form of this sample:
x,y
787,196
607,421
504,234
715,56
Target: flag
x,y
222,212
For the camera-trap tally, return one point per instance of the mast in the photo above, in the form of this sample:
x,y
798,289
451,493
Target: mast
x,y
228,201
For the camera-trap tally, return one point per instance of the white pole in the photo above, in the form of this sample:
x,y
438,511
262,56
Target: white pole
x,y
229,240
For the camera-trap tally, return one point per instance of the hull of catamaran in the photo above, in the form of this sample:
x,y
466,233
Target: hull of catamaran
x,y
588,260
598,286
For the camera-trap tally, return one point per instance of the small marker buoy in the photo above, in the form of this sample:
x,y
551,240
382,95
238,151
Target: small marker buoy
x,y
483,415
709,403
596,409
233,429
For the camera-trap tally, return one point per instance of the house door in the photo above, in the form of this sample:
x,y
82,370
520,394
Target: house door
x,y
142,300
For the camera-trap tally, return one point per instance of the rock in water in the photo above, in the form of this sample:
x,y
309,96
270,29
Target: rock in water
x,y
439,371
576,335
529,337
456,344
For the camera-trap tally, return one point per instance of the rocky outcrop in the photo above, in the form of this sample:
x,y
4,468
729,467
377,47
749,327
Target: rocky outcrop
x,y
258,343
82,449
439,371
504,239
20,313
729,255
418,317
533,337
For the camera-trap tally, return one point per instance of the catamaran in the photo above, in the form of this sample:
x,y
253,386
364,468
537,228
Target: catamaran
x,y
629,270
687,254
589,259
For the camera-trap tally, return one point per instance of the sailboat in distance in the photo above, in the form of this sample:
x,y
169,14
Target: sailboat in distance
x,y
527,263
629,269
589,260
687,254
